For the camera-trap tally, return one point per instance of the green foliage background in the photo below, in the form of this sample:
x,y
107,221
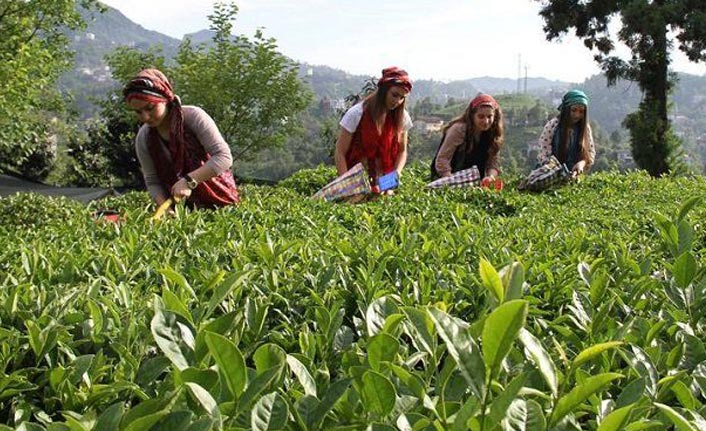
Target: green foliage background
x,y
33,54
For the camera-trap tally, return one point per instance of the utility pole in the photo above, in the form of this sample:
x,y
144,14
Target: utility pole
x,y
519,71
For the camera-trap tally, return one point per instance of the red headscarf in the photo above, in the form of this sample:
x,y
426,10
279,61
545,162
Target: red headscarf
x,y
149,85
484,100
152,86
395,76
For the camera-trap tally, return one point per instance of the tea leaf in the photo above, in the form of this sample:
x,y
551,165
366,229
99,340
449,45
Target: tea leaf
x,y
684,270
617,419
491,281
462,348
231,365
173,338
569,402
500,330
686,207
593,351
679,421
333,394
513,279
377,313
303,375
423,328
381,347
541,359
378,393
507,406
109,420
270,413
204,399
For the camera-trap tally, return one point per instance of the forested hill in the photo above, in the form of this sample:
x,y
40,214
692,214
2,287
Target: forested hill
x,y
609,105
106,31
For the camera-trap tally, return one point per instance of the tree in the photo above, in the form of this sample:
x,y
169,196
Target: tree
x,y
647,29
252,91
33,53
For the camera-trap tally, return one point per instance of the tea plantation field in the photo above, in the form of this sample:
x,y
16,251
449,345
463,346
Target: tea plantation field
x,y
578,309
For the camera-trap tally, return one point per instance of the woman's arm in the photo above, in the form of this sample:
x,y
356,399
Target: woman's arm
x,y
545,140
401,154
349,124
586,162
343,144
591,147
452,140
492,165
491,173
207,133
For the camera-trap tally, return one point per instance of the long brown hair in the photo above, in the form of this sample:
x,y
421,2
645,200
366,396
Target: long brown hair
x,y
376,104
496,129
565,127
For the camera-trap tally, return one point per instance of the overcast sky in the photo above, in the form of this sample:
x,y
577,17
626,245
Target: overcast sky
x,y
439,39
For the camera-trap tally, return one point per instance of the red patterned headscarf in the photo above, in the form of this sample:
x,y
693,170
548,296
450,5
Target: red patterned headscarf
x,y
395,76
149,85
152,86
484,100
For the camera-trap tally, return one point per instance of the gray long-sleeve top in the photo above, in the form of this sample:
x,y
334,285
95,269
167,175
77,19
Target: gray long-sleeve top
x,y
207,133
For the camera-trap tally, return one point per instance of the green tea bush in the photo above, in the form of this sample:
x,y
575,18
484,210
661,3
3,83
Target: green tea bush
x,y
31,211
309,181
575,309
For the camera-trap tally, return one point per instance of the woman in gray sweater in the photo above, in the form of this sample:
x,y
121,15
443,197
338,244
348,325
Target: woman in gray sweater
x,y
181,152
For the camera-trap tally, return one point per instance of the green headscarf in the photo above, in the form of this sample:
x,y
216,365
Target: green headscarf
x,y
574,97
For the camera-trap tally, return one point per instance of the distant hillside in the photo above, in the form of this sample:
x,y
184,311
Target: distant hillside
x,y
333,83
90,78
106,31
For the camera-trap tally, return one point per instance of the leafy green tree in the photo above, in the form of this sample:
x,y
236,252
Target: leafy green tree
x,y
647,29
252,91
33,53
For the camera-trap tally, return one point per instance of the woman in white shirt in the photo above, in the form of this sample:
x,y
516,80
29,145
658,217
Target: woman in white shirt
x,y
374,132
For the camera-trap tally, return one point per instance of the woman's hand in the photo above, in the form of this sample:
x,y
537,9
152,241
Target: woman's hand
x,y
491,182
180,190
579,167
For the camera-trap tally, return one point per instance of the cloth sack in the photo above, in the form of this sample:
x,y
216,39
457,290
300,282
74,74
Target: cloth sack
x,y
551,173
465,178
353,182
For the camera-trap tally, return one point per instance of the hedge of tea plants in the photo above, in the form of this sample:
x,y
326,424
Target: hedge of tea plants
x,y
581,308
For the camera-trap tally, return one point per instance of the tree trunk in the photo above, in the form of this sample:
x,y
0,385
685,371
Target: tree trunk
x,y
651,131
657,92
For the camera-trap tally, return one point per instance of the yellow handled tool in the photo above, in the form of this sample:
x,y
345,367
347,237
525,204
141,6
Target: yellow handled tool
x,y
162,209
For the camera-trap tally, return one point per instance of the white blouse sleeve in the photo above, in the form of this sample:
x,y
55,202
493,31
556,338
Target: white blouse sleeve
x,y
352,117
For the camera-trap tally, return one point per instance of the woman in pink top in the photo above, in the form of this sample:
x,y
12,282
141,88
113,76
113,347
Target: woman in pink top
x,y
181,152
472,139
